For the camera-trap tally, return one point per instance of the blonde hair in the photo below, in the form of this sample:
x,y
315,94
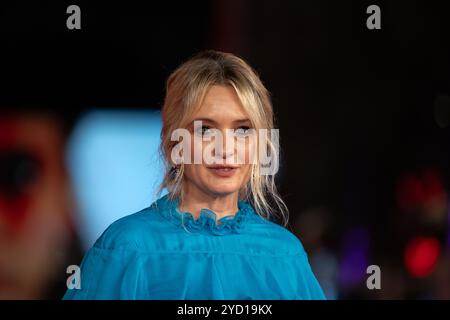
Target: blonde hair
x,y
185,90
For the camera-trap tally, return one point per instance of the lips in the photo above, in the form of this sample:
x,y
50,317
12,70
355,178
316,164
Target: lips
x,y
223,170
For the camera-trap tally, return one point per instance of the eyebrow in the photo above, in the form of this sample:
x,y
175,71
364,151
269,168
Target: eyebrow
x,y
238,121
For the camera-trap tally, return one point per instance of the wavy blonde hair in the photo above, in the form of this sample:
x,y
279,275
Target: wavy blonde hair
x,y
185,90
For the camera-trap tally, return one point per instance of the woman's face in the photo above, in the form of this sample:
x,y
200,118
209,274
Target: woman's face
x,y
220,112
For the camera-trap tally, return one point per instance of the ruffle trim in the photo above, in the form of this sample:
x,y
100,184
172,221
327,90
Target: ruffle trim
x,y
207,221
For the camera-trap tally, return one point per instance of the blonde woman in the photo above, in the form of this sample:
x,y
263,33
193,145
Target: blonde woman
x,y
219,232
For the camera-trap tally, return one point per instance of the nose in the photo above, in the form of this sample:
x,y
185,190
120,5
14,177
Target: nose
x,y
228,146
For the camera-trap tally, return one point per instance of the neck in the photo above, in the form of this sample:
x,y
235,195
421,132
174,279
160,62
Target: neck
x,y
223,205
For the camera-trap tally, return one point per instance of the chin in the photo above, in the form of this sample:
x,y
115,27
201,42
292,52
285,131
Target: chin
x,y
223,190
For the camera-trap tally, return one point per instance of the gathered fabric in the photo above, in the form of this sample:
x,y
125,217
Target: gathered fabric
x,y
207,221
161,252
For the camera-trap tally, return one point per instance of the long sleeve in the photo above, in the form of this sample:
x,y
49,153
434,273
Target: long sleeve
x,y
308,286
149,255
108,274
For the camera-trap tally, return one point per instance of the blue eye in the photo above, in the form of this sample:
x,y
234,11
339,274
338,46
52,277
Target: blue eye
x,y
204,130
242,131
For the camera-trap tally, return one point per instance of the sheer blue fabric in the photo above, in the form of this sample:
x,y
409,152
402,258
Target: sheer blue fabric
x,y
163,253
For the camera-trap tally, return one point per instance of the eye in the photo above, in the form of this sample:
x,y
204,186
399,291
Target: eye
x,y
243,131
204,130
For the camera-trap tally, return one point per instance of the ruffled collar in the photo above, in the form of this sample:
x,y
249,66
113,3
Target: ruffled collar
x,y
207,221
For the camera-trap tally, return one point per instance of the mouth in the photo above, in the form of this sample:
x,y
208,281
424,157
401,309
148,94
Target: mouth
x,y
223,170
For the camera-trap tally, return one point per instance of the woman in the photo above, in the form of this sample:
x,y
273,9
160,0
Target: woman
x,y
214,235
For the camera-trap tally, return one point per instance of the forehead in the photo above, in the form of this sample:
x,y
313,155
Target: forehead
x,y
221,102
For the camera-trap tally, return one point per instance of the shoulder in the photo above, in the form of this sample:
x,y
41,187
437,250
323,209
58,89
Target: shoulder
x,y
132,231
279,238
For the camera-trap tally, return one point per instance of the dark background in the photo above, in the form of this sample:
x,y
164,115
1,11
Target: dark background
x,y
356,108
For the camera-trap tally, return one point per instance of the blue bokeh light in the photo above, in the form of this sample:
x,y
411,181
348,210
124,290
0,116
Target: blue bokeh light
x,y
114,163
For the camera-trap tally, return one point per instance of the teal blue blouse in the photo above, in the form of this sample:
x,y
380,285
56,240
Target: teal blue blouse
x,y
163,253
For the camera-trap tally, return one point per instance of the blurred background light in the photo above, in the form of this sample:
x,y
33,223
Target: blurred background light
x,y
354,259
114,163
448,224
326,268
421,256
410,192
425,193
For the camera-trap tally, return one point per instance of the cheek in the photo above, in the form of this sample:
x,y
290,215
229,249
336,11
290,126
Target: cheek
x,y
188,172
251,153
246,151
195,172
246,172
198,147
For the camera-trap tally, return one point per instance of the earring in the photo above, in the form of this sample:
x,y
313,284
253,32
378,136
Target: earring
x,y
174,170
